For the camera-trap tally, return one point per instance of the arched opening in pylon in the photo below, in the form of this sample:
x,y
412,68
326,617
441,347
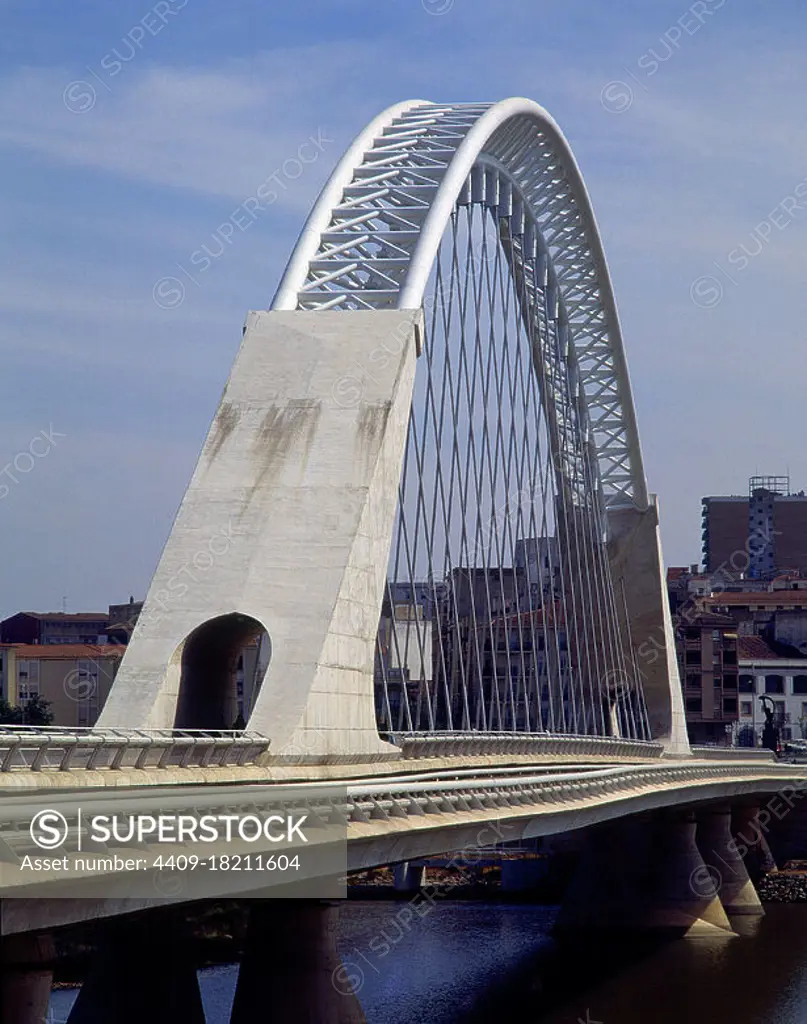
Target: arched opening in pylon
x,y
222,664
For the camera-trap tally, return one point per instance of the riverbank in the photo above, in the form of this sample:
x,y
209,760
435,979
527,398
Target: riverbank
x,y
786,886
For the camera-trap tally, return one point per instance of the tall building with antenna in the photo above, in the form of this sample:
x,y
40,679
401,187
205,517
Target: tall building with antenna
x,y
759,535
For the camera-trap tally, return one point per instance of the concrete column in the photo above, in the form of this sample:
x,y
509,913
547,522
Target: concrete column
x,y
751,842
143,971
608,891
682,900
409,877
637,875
291,970
26,978
727,872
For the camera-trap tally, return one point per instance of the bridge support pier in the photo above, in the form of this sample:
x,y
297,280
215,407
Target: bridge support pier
x,y
26,978
409,877
726,870
143,971
291,970
641,875
749,837
606,891
680,903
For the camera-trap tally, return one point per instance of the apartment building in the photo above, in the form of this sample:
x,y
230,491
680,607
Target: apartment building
x,y
75,679
758,535
780,676
706,646
54,628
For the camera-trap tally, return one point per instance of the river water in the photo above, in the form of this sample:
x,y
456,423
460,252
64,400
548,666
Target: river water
x,y
476,963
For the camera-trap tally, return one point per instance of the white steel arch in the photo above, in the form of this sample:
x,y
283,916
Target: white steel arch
x,y
373,234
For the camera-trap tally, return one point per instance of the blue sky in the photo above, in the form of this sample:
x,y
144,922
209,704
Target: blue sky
x,y
115,170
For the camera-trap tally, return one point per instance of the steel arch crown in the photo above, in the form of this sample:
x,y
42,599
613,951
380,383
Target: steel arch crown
x,y
373,234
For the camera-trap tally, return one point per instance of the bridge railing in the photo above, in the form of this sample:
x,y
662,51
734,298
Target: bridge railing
x,y
34,748
716,753
457,744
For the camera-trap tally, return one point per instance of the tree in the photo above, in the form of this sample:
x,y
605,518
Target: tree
x,y
37,711
9,714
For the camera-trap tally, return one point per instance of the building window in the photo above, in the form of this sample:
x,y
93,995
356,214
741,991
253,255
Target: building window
x,y
747,684
694,681
745,707
693,658
774,684
694,704
799,684
27,679
729,682
730,705
718,680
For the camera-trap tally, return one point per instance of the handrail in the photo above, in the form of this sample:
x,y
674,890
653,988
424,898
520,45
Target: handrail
x,y
34,748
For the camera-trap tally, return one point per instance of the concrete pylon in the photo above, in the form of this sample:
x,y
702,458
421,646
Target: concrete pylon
x,y
143,971
637,570
641,875
285,526
725,864
291,970
26,978
751,842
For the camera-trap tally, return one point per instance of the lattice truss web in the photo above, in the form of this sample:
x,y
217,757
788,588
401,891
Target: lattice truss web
x,y
500,612
364,254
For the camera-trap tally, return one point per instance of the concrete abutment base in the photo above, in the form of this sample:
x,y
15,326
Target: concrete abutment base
x,y
291,970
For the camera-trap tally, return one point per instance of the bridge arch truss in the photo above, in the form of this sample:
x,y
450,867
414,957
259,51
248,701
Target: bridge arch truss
x,y
500,612
371,240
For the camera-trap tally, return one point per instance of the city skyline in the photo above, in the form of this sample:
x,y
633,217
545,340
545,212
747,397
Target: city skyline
x,y
117,189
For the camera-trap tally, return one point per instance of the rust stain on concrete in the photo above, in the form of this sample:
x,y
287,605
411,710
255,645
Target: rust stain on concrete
x,y
223,425
371,426
284,436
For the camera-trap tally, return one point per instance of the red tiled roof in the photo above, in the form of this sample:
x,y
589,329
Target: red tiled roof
x,y
784,597
54,652
675,572
754,648
68,616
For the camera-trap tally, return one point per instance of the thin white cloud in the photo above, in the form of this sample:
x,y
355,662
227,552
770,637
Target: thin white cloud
x,y
221,132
